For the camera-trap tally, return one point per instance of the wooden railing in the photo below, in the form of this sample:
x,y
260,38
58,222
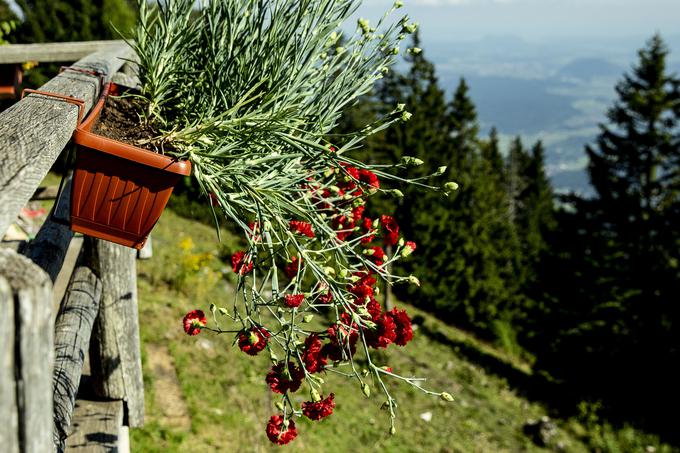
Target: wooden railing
x,y
64,301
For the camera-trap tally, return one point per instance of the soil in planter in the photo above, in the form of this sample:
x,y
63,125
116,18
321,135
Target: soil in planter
x,y
120,121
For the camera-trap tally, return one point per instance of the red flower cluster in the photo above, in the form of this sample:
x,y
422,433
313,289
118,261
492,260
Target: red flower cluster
x,y
285,379
293,300
279,434
300,227
390,230
240,264
319,409
253,340
312,357
292,267
193,321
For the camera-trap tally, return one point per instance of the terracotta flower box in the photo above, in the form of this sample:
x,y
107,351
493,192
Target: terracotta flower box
x,y
119,190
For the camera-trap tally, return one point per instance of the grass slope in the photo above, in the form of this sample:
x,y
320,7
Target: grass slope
x,y
229,402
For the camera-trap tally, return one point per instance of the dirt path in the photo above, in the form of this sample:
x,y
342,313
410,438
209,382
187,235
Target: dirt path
x,y
167,391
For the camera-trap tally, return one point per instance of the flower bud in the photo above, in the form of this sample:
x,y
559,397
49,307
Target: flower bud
x,y
446,396
400,107
413,280
415,50
376,291
398,4
395,50
411,161
364,372
339,50
213,307
315,395
279,405
451,186
369,252
273,357
343,273
393,430
307,318
401,242
328,270
397,193
440,170
385,405
366,389
405,116
223,311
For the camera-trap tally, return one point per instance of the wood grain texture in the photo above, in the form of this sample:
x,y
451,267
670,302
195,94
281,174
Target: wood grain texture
x,y
49,247
72,332
64,278
34,349
34,131
96,427
115,359
9,433
53,51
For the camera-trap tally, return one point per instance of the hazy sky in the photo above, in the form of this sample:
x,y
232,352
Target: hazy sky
x,y
445,20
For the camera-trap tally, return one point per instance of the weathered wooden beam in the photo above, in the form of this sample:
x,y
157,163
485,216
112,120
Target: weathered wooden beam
x,y
9,432
53,51
97,427
64,277
31,295
49,247
34,131
115,359
71,342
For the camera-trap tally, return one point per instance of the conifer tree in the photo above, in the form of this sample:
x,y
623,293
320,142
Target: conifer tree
x,y
615,269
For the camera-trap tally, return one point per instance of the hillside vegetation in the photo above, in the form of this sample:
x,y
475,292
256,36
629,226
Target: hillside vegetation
x,y
227,402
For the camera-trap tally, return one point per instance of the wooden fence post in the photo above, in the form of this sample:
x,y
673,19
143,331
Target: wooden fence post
x,y
71,342
31,298
9,432
115,359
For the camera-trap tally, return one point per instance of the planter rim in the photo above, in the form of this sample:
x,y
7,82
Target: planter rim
x,y
83,136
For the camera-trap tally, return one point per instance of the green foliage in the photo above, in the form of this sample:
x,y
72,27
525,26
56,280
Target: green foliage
x,y
612,282
77,20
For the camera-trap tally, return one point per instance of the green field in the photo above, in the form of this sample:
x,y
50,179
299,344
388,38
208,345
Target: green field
x,y
226,402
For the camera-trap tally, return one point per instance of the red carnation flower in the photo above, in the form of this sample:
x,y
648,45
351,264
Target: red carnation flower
x,y
367,229
409,248
319,409
343,226
374,309
361,292
282,380
390,230
403,328
193,321
366,278
300,227
377,256
384,333
358,212
293,300
311,356
368,177
351,172
239,264
253,340
279,434
292,267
